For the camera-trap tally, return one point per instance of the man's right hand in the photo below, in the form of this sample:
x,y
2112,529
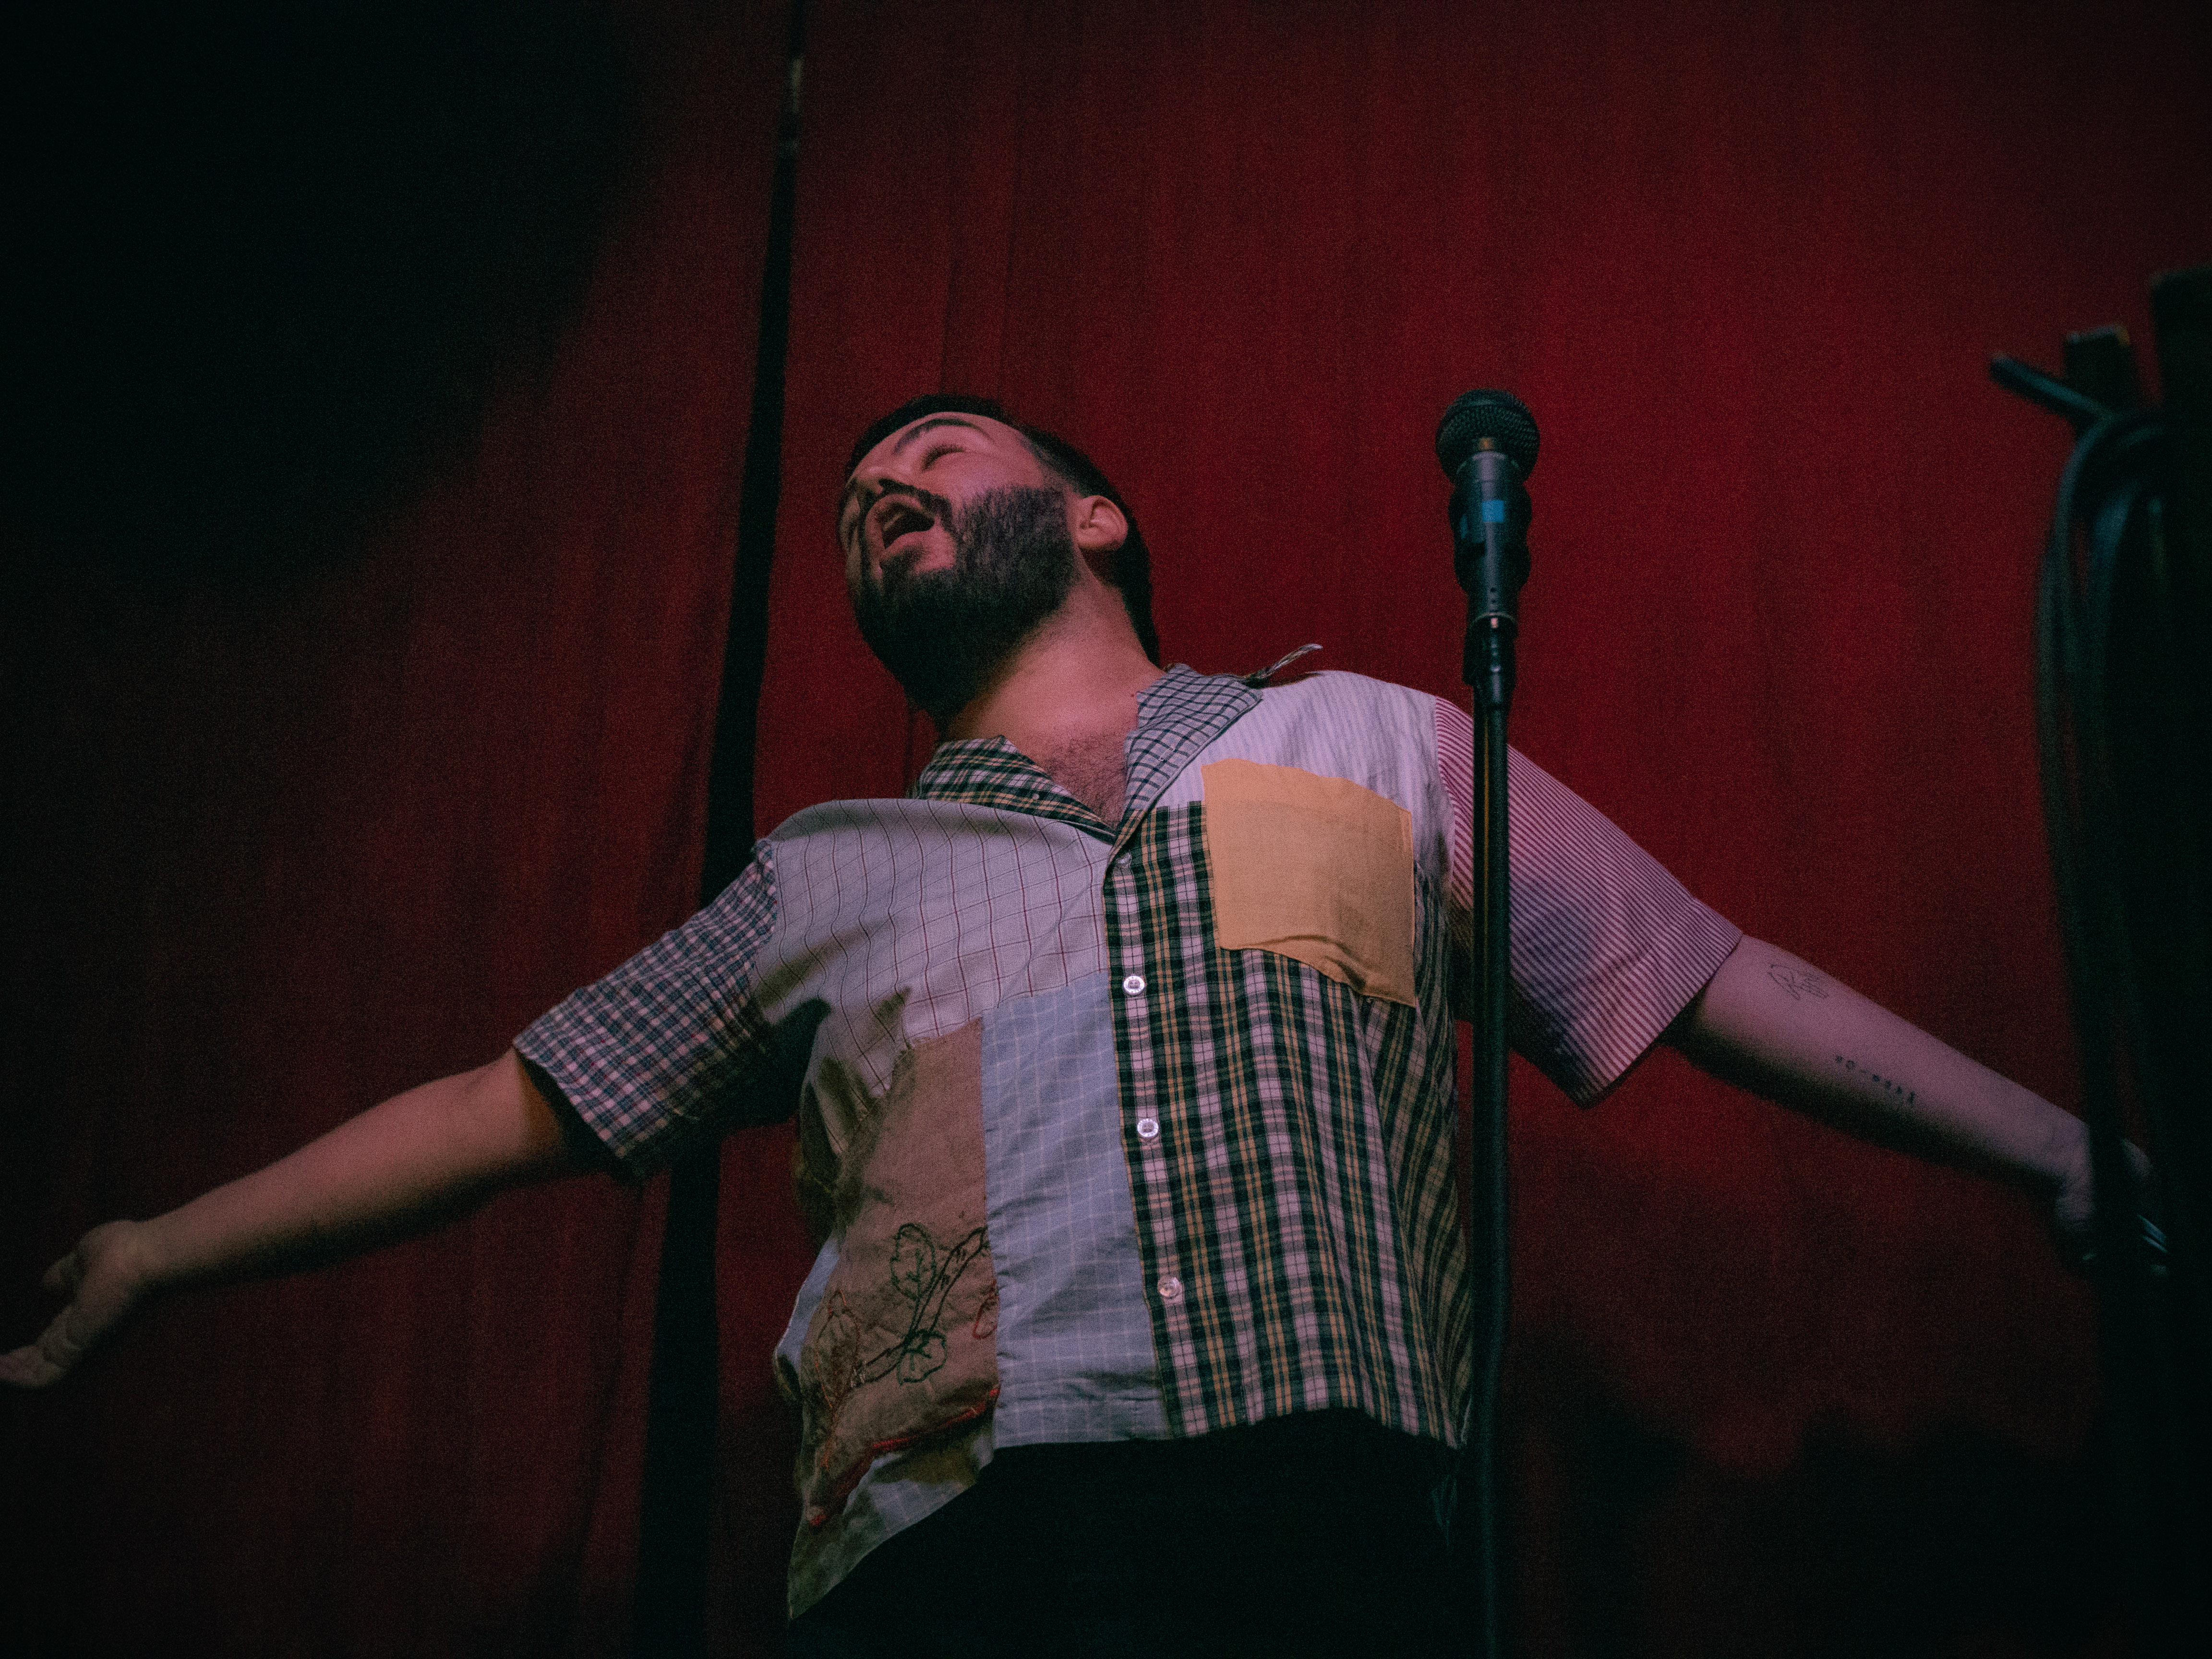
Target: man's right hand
x,y
418,1159
105,1280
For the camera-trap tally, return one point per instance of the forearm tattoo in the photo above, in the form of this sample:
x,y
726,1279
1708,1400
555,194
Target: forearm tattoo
x,y
1799,982
1888,1085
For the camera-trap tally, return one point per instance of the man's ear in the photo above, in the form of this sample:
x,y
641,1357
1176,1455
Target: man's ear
x,y
1100,530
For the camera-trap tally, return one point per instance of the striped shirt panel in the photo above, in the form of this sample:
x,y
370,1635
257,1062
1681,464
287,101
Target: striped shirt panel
x,y
1608,946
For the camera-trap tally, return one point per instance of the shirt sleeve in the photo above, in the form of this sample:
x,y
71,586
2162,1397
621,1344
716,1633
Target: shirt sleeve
x,y
1608,946
671,1047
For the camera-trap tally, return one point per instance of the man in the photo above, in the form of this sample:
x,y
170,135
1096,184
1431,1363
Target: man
x,y
1121,1051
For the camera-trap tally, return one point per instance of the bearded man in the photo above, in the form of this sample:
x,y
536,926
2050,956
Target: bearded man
x,y
1121,1054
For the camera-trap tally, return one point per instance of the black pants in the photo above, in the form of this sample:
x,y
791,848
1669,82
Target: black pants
x,y
1305,1535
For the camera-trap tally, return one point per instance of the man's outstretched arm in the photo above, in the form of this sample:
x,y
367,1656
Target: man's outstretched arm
x,y
418,1159
1782,1028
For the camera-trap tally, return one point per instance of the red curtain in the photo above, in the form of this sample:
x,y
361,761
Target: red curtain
x,y
1773,1391
278,854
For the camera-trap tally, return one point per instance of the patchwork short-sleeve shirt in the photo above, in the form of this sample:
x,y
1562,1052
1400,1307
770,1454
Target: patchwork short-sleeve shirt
x,y
1136,1129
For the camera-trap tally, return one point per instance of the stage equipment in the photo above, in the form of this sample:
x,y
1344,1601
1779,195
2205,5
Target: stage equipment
x,y
2124,720
1486,444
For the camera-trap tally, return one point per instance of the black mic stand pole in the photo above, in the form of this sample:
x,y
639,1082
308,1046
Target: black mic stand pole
x,y
1488,442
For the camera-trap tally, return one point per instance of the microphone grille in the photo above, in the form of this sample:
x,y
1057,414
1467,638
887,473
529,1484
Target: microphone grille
x,y
1487,413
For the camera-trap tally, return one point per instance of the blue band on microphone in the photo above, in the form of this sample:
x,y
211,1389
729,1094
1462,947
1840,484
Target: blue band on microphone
x,y
1493,512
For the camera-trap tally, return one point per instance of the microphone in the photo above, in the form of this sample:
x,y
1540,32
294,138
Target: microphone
x,y
1486,444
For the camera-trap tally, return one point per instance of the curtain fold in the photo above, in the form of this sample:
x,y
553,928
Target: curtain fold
x,y
279,850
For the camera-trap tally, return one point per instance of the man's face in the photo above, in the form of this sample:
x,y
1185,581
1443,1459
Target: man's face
x,y
956,547
898,503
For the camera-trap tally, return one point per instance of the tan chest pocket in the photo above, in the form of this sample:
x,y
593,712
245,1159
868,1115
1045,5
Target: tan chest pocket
x,y
1317,868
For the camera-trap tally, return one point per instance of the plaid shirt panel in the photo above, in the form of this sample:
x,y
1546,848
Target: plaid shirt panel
x,y
665,1049
991,772
1299,1123
1300,1191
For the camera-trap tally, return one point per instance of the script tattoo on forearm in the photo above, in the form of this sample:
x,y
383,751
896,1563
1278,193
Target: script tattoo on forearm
x,y
1799,982
1888,1085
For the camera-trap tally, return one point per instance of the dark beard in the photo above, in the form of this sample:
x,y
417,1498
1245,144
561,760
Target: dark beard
x,y
942,632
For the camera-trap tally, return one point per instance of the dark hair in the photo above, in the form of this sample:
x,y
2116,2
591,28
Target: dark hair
x,y
1131,569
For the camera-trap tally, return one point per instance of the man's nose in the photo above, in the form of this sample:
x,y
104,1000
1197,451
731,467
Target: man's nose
x,y
894,471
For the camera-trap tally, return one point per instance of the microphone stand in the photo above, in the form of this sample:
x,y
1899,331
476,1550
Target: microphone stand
x,y
1489,517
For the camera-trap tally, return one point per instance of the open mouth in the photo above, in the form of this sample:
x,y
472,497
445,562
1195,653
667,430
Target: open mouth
x,y
898,520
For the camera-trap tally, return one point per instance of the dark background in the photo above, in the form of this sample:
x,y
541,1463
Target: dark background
x,y
377,383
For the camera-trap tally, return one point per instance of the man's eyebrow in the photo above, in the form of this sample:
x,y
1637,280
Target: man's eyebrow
x,y
854,485
934,422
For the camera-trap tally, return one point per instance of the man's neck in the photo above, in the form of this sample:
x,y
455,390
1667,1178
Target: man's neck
x,y
1067,694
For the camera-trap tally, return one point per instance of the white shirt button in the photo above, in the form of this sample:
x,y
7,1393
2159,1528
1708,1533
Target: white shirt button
x,y
1134,985
1148,1128
1171,1289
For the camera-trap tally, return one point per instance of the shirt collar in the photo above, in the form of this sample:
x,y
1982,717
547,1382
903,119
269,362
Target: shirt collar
x,y
1178,715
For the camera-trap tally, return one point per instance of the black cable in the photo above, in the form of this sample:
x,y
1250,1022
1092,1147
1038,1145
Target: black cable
x,y
2104,492
2071,663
